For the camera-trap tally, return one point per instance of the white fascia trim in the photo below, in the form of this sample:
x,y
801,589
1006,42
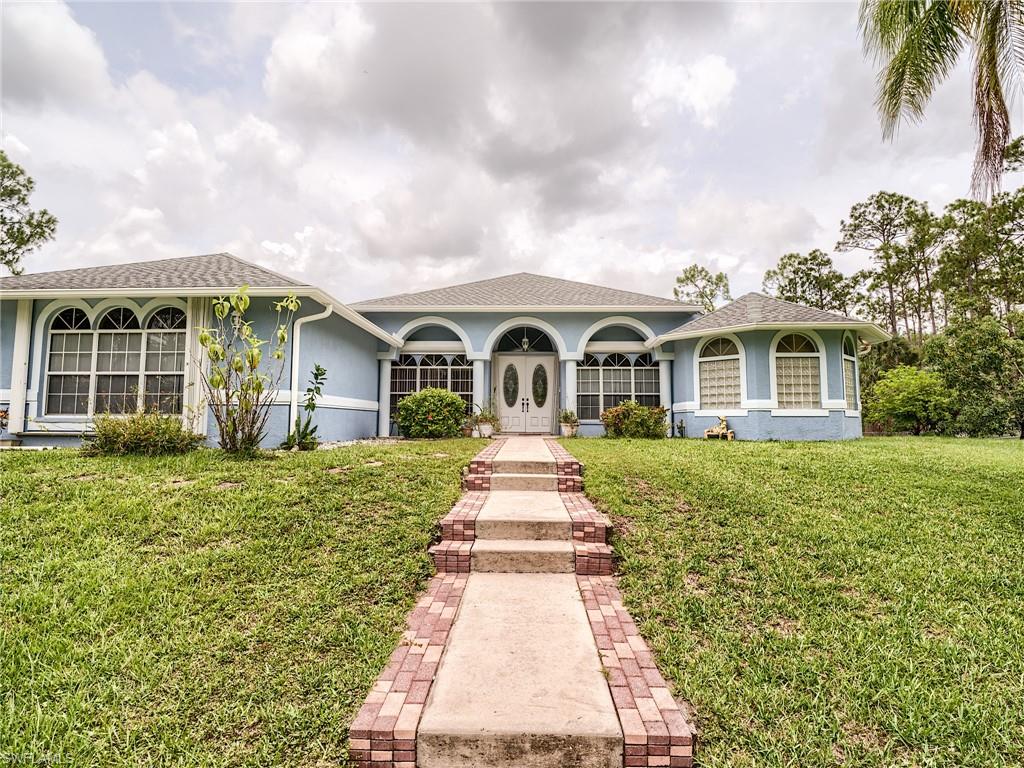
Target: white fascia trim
x,y
283,397
305,291
868,330
437,347
689,308
800,412
686,405
615,346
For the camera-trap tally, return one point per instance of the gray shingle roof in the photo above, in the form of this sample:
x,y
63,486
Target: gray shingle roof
x,y
214,270
754,309
520,290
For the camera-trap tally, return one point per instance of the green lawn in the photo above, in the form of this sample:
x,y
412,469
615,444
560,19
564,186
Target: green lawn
x,y
852,603
203,611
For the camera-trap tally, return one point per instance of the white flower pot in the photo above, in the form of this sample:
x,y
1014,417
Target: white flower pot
x,y
486,430
569,430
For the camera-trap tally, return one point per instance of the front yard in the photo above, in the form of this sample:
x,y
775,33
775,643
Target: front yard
x,y
824,604
202,610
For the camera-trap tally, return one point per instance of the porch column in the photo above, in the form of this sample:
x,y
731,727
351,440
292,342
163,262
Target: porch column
x,y
478,383
384,400
19,367
569,387
665,380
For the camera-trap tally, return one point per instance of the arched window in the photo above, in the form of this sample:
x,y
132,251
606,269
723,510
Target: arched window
x,y
797,372
604,381
69,364
118,362
103,369
850,373
165,361
719,374
411,373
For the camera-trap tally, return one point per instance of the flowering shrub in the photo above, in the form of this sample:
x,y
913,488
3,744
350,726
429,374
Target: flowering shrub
x,y
431,412
630,419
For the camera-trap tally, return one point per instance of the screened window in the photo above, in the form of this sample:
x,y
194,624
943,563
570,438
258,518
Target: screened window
x,y
411,373
104,370
797,372
604,381
718,368
850,374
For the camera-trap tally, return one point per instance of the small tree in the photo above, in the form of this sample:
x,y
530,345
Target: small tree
x,y
22,230
303,435
908,398
697,285
239,391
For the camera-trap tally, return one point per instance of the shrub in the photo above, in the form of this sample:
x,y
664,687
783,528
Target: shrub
x,y
630,419
568,416
908,398
431,412
303,436
145,434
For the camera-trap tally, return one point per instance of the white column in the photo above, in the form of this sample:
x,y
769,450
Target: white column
x,y
478,384
197,316
665,381
19,367
384,400
569,387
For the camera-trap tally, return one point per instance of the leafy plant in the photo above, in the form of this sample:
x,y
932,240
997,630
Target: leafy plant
x,y
630,419
568,416
239,391
23,230
144,434
431,412
303,435
908,398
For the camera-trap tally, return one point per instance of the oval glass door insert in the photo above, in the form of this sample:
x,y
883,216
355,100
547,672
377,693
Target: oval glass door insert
x,y
540,385
510,384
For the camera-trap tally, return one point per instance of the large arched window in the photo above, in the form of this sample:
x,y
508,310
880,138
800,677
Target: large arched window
x,y
103,369
850,373
719,374
797,372
411,373
69,364
604,381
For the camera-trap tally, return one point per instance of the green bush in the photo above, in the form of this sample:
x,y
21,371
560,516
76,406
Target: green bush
x,y
630,419
146,434
908,398
431,412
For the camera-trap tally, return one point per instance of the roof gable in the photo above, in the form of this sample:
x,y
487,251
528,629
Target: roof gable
x,y
755,310
520,290
214,270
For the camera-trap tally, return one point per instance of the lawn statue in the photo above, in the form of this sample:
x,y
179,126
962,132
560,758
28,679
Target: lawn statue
x,y
721,431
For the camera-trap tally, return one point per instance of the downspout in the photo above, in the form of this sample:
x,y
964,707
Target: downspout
x,y
293,406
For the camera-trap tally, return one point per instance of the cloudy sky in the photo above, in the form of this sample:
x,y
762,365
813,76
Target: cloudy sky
x,y
371,149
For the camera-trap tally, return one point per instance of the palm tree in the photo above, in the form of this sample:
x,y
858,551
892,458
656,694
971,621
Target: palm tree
x,y
918,42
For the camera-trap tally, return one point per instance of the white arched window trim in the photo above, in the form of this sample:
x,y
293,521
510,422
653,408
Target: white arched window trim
x,y
855,410
529,322
742,356
41,347
821,354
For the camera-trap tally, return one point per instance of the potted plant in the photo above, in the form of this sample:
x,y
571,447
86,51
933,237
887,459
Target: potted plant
x,y
569,423
468,426
486,422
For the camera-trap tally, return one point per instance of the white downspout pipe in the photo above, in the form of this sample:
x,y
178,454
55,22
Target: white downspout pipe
x,y
293,406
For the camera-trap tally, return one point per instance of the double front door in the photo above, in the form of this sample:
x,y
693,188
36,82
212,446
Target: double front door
x,y
526,392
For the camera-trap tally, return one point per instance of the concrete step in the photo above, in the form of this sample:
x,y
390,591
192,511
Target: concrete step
x,y
522,556
523,515
520,683
518,481
525,467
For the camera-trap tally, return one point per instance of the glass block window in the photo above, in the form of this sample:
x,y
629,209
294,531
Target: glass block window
x,y
799,382
411,373
604,381
850,374
718,372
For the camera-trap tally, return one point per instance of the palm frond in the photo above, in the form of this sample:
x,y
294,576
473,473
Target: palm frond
x,y
995,63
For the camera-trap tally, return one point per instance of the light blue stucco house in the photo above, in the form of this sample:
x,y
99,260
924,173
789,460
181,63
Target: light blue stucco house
x,y
119,338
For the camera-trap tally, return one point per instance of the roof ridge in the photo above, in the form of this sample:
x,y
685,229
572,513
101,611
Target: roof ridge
x,y
248,263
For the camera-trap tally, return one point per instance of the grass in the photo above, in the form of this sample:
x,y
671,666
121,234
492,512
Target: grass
x,y
205,611
857,604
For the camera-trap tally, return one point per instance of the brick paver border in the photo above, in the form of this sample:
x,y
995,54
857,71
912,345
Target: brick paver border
x,y
383,735
655,730
568,467
481,467
589,536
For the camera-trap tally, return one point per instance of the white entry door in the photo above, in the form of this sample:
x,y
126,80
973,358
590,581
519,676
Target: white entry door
x,y
526,392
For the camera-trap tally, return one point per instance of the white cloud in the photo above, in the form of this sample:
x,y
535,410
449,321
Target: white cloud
x,y
703,87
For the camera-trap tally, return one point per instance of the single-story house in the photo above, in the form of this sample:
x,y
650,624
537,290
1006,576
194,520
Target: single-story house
x,y
79,342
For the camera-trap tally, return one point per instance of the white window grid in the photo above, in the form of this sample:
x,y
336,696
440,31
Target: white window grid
x,y
601,385
451,372
108,372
